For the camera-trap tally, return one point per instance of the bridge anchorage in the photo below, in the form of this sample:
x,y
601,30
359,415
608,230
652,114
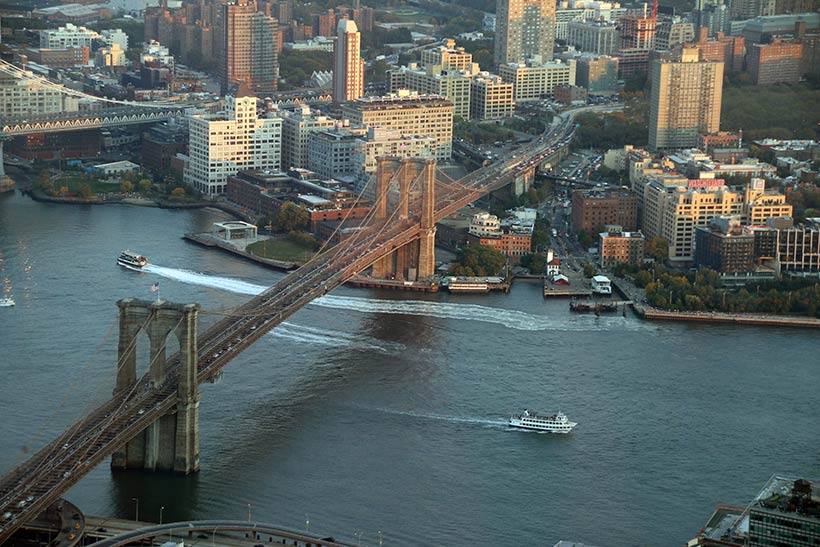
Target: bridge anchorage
x,y
405,188
171,443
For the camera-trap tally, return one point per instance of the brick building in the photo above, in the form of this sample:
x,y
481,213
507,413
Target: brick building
x,y
774,63
594,209
619,247
725,246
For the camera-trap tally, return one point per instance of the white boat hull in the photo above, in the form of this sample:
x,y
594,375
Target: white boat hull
x,y
129,266
562,428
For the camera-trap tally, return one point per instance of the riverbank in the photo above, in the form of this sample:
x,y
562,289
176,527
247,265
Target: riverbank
x,y
139,201
644,311
208,241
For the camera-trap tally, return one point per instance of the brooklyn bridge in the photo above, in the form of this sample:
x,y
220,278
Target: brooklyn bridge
x,y
152,422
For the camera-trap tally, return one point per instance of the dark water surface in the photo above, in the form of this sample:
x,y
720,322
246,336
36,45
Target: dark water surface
x,y
373,411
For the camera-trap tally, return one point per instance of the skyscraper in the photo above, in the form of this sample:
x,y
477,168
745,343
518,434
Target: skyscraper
x,y
524,29
348,65
248,52
685,100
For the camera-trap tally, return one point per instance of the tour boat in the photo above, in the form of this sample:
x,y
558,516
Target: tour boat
x,y
6,302
131,260
553,423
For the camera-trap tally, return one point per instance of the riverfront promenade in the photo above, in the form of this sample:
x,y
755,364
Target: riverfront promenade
x,y
645,311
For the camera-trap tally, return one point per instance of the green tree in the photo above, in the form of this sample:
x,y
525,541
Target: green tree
x,y
589,270
84,190
657,248
584,239
145,185
178,193
535,262
126,186
480,260
292,216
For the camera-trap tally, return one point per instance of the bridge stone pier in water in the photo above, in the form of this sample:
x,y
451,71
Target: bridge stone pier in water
x,y
171,443
405,190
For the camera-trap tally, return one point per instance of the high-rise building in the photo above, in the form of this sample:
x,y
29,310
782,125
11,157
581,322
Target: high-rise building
x,y
296,129
221,145
673,32
598,74
593,36
592,210
685,100
491,98
785,513
637,32
524,29
448,57
534,81
775,62
452,84
348,65
408,113
729,49
248,51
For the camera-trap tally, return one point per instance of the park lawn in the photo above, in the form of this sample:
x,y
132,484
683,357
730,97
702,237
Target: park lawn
x,y
280,249
73,183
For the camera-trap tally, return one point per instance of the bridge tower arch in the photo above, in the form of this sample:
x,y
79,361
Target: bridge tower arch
x,y
172,442
405,190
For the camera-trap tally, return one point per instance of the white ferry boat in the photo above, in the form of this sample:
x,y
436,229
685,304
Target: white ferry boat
x,y
601,285
131,260
553,423
6,302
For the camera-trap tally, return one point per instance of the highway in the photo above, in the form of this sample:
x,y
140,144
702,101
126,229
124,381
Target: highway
x,y
43,478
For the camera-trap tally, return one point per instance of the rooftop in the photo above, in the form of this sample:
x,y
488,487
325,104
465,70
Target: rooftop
x,y
789,495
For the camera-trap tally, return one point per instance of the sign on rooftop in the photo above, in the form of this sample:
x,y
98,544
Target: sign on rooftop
x,y
705,183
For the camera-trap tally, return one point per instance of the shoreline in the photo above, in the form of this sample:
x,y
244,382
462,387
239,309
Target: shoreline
x,y
628,290
643,312
723,317
137,202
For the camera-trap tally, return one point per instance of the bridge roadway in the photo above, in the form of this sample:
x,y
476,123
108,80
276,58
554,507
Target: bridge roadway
x,y
90,119
39,481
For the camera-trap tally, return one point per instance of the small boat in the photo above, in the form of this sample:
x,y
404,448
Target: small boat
x,y
132,260
552,423
6,302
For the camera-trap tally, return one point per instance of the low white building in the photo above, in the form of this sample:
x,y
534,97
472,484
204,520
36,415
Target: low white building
x,y
484,225
69,36
221,145
116,168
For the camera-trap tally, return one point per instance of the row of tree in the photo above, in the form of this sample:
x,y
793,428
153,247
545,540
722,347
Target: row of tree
x,y
703,290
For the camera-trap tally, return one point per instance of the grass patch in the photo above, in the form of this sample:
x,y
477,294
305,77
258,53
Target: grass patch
x,y
73,183
281,249
786,111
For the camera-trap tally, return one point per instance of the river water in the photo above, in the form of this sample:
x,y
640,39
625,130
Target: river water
x,y
372,411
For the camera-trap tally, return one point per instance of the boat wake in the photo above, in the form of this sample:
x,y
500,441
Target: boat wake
x,y
204,280
484,422
513,319
322,337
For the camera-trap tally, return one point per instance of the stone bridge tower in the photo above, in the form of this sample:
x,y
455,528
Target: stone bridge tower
x,y
405,190
172,442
